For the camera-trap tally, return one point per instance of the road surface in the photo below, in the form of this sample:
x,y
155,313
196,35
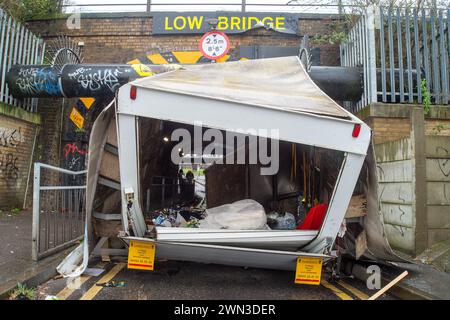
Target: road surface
x,y
194,281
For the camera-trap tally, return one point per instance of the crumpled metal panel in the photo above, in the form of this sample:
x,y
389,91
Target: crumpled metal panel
x,y
278,83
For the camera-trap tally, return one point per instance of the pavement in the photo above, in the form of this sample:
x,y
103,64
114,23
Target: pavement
x,y
194,281
16,265
423,281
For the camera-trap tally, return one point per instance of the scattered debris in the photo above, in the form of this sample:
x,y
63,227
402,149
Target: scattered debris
x,y
112,284
281,221
93,272
52,298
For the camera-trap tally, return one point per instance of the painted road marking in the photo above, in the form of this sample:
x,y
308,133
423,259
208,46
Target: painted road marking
x,y
361,295
342,295
95,289
67,291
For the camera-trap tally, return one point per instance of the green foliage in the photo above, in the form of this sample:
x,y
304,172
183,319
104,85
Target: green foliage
x,y
78,130
24,10
426,97
22,292
335,37
15,210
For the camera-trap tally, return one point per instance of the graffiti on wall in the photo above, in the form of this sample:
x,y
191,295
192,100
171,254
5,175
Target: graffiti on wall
x,y
10,139
9,170
444,164
74,156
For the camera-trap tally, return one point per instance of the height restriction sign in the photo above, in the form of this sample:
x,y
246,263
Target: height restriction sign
x,y
214,45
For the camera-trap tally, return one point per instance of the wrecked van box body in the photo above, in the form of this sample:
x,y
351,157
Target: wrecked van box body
x,y
274,94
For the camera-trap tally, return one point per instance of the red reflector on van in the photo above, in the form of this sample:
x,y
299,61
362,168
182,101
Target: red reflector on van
x,y
133,93
356,130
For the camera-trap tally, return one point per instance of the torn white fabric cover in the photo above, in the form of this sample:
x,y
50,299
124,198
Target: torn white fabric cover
x,y
240,215
77,261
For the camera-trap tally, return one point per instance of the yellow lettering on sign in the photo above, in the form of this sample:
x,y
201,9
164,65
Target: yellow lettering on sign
x,y
252,21
279,23
223,23
195,22
141,255
176,24
270,19
77,118
309,271
166,24
234,23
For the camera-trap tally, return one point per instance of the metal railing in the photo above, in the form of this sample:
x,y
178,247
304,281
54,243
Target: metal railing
x,y
59,209
409,40
401,51
18,45
359,50
337,6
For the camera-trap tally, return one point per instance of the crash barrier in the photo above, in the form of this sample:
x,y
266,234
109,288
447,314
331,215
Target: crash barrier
x,y
408,48
59,209
19,46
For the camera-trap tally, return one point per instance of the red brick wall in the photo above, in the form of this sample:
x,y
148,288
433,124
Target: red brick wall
x,y
16,145
118,40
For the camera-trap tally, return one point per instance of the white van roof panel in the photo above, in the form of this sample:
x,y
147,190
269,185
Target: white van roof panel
x,y
278,83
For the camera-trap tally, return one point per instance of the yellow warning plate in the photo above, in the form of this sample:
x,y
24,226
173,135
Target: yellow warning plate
x,y
77,118
309,271
141,255
88,102
142,70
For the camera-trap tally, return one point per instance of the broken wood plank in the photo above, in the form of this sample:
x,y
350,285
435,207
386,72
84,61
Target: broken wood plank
x,y
357,207
361,244
388,286
109,167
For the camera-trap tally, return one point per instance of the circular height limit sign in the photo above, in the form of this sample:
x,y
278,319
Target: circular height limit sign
x,y
214,45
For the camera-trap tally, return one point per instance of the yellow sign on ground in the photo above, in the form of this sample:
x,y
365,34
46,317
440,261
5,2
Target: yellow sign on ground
x,y
309,271
77,118
141,255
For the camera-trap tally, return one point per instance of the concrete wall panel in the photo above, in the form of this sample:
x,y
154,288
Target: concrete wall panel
x,y
396,193
438,217
438,193
398,214
397,171
401,238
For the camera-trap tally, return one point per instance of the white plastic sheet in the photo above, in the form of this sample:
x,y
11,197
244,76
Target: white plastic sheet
x,y
241,215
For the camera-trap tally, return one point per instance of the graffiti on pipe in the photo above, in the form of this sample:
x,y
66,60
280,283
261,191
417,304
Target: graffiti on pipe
x,y
10,137
35,80
97,79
